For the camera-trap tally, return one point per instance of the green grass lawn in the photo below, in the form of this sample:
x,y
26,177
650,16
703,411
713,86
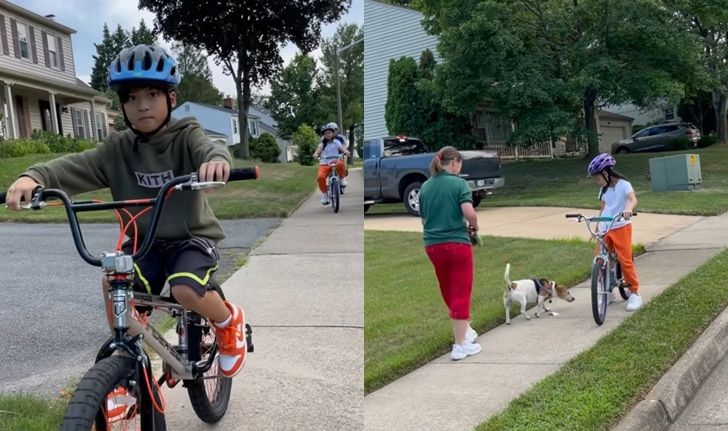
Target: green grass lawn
x,y
563,182
406,321
28,413
599,386
281,188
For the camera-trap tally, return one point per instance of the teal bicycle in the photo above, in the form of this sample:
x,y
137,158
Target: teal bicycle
x,y
606,272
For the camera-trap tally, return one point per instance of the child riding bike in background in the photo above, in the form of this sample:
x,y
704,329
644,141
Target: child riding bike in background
x,y
617,196
134,164
329,148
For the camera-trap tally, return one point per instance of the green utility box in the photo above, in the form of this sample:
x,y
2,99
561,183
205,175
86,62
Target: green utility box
x,y
678,172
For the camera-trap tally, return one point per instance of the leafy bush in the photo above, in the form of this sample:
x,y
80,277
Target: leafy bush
x,y
62,144
305,139
266,148
681,143
706,141
22,147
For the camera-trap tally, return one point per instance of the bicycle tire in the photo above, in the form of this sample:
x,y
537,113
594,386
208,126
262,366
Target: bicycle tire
x,y
623,289
335,189
86,408
599,309
210,408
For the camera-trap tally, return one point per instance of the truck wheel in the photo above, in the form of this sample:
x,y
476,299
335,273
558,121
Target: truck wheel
x,y
476,200
411,198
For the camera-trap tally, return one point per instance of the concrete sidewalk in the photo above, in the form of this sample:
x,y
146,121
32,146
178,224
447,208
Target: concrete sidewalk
x,y
303,293
446,395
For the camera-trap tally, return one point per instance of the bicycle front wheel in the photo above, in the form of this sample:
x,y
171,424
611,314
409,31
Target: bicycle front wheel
x,y
110,397
599,292
335,190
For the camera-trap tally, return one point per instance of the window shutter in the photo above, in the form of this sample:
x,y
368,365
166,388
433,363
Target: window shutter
x,y
104,128
73,121
3,36
46,54
14,31
31,35
86,130
59,47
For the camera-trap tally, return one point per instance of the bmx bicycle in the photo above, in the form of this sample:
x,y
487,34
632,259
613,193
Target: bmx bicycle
x,y
120,392
606,272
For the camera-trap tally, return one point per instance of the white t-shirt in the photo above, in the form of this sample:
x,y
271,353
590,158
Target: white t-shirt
x,y
615,201
331,150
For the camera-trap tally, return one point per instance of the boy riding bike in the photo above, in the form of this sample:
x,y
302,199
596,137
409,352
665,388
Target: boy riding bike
x,y
135,164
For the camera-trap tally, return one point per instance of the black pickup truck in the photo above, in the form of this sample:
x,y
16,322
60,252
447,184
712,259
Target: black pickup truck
x,y
396,166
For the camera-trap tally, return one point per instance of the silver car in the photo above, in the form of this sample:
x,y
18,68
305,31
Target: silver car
x,y
657,138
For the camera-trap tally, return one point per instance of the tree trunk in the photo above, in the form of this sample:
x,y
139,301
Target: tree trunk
x,y
720,104
242,86
590,121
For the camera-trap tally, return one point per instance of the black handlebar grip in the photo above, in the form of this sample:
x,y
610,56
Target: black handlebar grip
x,y
2,198
572,215
240,174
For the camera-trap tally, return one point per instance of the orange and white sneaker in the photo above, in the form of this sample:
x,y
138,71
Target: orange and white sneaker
x,y
119,405
231,340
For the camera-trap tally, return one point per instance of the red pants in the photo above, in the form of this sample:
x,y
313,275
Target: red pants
x,y
453,262
620,240
324,172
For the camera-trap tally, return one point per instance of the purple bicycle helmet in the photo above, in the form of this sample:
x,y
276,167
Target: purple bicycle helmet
x,y
600,163
143,63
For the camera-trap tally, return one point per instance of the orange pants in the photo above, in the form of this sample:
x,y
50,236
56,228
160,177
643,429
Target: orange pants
x,y
324,172
620,240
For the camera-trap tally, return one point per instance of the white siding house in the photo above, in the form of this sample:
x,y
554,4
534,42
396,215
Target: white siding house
x,y
38,84
223,121
390,32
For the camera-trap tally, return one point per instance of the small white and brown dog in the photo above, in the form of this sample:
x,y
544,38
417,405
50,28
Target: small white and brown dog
x,y
530,291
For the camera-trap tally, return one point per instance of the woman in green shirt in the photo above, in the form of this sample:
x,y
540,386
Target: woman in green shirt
x,y
446,203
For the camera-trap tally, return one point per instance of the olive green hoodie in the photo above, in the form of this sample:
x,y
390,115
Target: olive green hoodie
x,y
136,168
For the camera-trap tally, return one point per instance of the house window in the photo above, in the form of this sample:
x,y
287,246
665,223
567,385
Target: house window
x,y
235,126
669,114
253,128
99,125
80,132
23,40
53,51
491,128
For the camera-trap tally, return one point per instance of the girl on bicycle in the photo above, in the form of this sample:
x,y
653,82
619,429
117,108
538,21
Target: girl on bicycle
x,y
446,203
617,196
329,147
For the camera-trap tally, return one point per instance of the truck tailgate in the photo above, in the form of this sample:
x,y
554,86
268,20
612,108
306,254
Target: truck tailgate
x,y
480,164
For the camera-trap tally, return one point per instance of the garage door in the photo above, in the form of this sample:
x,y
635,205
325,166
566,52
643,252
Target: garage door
x,y
610,135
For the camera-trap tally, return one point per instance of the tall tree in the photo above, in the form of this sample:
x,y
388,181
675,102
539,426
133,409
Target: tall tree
x,y
350,71
293,97
196,78
709,21
543,61
105,52
245,35
143,35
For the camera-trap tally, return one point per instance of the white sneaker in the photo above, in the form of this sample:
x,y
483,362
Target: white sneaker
x,y
344,183
470,335
325,199
634,302
462,351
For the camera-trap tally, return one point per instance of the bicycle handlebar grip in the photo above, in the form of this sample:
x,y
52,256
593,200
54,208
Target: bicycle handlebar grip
x,y
572,215
244,174
2,198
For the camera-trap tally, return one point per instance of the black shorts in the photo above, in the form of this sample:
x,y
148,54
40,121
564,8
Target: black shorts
x,y
190,261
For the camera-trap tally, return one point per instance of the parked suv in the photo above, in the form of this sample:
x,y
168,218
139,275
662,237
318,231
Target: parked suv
x,y
657,138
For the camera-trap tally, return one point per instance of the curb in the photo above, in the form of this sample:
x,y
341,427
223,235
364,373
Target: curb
x,y
674,391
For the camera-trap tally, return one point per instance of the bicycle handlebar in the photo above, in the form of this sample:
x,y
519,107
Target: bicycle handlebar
x,y
598,219
184,182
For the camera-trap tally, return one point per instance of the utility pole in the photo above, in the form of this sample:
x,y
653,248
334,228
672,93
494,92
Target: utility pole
x,y
340,115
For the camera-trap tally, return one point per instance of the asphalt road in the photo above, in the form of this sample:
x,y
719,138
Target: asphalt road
x,y
51,307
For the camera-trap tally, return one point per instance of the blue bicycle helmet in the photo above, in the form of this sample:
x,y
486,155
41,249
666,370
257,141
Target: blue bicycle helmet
x,y
142,64
600,163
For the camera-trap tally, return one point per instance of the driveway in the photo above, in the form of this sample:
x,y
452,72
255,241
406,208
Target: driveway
x,y
540,223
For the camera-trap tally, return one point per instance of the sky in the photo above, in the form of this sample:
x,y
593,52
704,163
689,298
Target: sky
x,y
87,17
